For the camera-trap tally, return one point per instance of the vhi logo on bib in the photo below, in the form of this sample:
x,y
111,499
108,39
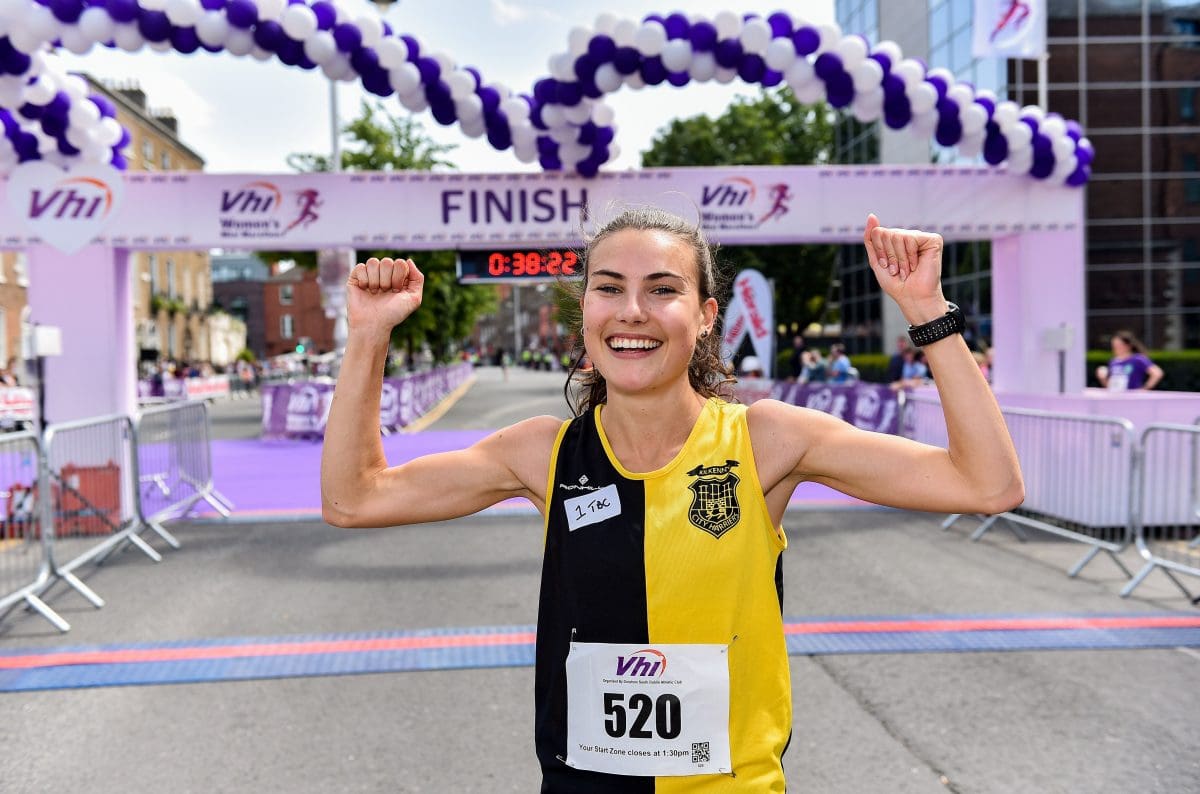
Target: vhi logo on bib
x,y
656,710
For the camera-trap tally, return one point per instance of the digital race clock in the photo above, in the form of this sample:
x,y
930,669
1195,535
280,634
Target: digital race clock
x,y
527,266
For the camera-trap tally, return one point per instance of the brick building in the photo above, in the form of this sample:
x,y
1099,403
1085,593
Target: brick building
x,y
292,312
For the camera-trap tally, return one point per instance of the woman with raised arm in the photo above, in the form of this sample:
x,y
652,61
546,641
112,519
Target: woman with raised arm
x,y
661,663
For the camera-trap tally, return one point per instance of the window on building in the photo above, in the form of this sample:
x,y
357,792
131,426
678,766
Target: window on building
x,y
148,154
171,291
152,266
21,269
285,295
1187,27
285,326
1187,103
164,161
3,268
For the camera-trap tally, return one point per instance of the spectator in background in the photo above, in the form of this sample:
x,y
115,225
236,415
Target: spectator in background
x,y
895,367
914,372
840,370
751,367
798,348
1130,368
814,367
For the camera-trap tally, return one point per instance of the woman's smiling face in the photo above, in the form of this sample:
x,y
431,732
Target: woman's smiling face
x,y
642,310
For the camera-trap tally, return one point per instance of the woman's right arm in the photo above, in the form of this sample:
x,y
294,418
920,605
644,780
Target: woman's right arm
x,y
358,489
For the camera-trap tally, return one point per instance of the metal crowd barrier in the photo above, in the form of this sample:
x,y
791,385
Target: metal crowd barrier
x,y
26,555
175,462
1167,506
1079,475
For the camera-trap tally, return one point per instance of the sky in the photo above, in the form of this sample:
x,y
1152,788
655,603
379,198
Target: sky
x,y
242,115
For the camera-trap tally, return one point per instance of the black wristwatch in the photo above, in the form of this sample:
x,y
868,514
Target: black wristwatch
x,y
950,323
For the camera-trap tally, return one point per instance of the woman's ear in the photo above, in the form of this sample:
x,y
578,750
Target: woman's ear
x,y
710,308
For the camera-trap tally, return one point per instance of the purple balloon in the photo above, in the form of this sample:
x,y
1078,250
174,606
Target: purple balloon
x,y
107,109
429,69
347,36
677,26
499,135
443,110
752,68
897,117
602,48
268,34
59,105
806,40
703,36
947,107
544,90
678,79
26,146
240,13
154,25
119,162
986,104
546,145
185,40
995,145
949,131
31,111
124,11
66,148
627,60
490,98
885,63
414,48
1030,122
9,123
659,18
1074,130
1043,164
291,52
365,61
653,71
207,5
605,135
1079,176
15,62
438,91
535,116
568,94
587,133
377,82
939,85
781,25
892,85
728,53
123,141
587,168
67,11
550,162
54,126
1041,145
590,89
840,90
585,68
325,13
471,70
772,78
1084,156
827,65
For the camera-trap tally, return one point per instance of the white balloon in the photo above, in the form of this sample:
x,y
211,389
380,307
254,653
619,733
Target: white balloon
x,y
1055,128
562,67
213,29
77,137
83,115
1020,161
961,94
472,127
523,132
852,50
11,95
799,74
127,37
703,67
240,42
1063,147
780,54
444,62
76,40
391,51
257,53
973,117
891,49
74,86
469,107
614,151
830,34
11,10
923,97
25,40
650,39
1033,112
578,114
625,33
95,154
552,116
1005,115
725,76
371,27
41,21
677,55
607,78
415,101
755,35
1019,137
867,75
298,21
320,48
635,81
525,152
405,78
910,72
811,92
564,134
40,91
516,110
270,9
109,131
183,13
867,106
970,146
571,152
603,115
153,5
577,40
1064,167
923,124
606,23
96,24
461,84
728,25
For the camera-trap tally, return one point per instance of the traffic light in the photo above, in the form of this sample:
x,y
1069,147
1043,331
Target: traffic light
x,y
300,348
305,345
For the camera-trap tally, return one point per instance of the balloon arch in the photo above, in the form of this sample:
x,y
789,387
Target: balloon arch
x,y
563,123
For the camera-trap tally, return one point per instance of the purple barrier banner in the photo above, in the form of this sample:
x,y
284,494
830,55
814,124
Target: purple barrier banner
x,y
871,406
201,388
301,409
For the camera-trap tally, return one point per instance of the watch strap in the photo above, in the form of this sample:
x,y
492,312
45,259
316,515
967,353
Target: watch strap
x,y
950,323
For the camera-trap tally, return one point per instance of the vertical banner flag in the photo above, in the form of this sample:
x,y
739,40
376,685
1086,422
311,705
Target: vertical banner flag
x,y
751,311
1009,29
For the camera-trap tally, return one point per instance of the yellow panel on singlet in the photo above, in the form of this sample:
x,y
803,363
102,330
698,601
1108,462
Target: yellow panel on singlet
x,y
711,555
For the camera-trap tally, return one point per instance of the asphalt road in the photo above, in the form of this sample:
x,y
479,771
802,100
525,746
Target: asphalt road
x,y
1062,721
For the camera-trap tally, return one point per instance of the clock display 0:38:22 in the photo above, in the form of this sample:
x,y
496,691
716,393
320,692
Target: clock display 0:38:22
x,y
532,263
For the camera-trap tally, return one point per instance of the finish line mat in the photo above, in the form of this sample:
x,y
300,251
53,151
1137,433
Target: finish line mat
x,y
244,658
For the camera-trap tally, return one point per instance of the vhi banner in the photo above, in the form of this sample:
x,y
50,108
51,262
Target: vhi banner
x,y
751,312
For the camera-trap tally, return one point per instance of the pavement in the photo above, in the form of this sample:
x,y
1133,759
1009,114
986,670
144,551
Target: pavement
x,y
987,721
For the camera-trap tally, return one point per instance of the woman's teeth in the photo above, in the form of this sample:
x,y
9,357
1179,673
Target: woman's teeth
x,y
633,344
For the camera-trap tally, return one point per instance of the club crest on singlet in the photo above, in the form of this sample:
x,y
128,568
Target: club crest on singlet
x,y
714,506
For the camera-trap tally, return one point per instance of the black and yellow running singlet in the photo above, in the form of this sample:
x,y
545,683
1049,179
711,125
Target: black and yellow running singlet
x,y
691,557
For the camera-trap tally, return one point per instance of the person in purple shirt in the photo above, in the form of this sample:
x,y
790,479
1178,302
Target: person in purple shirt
x,y
1130,367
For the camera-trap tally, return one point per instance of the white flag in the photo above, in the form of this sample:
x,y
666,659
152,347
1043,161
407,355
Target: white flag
x,y
1009,29
751,312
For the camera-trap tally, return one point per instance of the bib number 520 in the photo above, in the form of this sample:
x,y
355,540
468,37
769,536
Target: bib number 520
x,y
665,710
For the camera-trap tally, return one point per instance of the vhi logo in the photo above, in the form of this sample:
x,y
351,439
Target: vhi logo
x,y
646,663
255,209
733,203
66,210
734,191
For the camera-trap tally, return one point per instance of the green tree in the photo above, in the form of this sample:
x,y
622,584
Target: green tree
x,y
379,141
773,128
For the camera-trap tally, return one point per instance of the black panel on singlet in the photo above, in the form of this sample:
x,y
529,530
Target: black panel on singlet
x,y
593,583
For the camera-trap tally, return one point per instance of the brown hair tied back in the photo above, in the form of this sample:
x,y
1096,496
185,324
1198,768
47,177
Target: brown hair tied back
x,y
707,373
1135,344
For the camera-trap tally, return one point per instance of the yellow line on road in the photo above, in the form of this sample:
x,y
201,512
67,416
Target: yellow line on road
x,y
440,409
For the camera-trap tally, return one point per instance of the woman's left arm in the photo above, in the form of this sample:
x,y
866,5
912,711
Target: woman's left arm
x,y
1154,374
977,473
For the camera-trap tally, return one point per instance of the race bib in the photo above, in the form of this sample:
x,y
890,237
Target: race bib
x,y
648,709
